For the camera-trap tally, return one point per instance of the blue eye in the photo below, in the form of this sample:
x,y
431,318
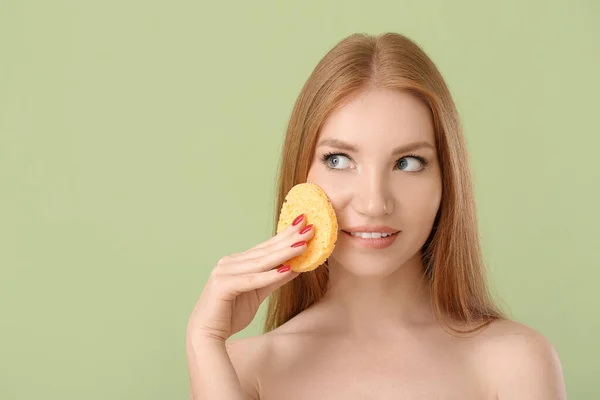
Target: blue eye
x,y
335,160
340,161
403,163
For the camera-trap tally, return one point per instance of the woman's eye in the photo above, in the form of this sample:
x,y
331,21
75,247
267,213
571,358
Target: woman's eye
x,y
337,161
407,163
410,164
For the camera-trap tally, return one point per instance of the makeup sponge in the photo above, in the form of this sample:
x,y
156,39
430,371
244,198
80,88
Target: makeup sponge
x,y
310,200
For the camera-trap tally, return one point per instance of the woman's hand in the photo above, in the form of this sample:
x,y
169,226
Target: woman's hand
x,y
240,282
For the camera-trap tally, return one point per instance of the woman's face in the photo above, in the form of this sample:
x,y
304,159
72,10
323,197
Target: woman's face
x,y
376,160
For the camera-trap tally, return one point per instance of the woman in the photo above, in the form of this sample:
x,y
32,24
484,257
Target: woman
x,y
407,315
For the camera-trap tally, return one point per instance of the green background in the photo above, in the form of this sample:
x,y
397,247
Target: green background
x,y
139,142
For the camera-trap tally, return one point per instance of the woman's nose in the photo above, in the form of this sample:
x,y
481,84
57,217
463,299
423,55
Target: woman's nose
x,y
372,196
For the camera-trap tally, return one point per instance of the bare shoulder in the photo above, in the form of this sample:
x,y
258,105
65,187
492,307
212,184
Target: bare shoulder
x,y
254,357
519,362
246,355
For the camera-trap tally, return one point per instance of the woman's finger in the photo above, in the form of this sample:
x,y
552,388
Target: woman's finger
x,y
300,223
273,256
285,238
239,284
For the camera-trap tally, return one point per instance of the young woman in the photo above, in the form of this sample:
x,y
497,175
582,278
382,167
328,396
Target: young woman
x,y
400,310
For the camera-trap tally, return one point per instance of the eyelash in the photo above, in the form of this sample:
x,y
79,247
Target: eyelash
x,y
325,157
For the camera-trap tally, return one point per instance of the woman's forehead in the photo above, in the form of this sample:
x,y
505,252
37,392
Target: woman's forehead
x,y
394,116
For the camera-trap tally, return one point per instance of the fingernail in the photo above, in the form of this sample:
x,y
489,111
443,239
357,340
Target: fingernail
x,y
306,229
298,219
285,268
300,243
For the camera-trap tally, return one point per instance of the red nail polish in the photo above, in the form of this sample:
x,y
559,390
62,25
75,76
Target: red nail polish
x,y
298,219
306,229
300,243
285,268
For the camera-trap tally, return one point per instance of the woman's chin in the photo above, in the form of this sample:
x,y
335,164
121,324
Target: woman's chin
x,y
367,269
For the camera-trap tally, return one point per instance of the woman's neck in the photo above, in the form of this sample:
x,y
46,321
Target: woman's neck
x,y
374,307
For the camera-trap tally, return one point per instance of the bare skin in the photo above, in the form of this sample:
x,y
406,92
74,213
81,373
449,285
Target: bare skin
x,y
374,334
300,361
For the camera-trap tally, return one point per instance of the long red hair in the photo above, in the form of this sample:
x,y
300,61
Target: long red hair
x,y
452,258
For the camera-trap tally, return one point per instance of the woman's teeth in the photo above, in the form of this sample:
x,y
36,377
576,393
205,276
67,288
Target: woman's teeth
x,y
371,235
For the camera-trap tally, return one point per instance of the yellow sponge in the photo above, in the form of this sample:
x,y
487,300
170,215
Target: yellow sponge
x,y
310,200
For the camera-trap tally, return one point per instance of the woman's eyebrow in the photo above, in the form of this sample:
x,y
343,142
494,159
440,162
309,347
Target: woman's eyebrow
x,y
351,148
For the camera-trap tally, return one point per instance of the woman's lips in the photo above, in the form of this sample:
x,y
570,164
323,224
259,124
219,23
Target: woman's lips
x,y
373,243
